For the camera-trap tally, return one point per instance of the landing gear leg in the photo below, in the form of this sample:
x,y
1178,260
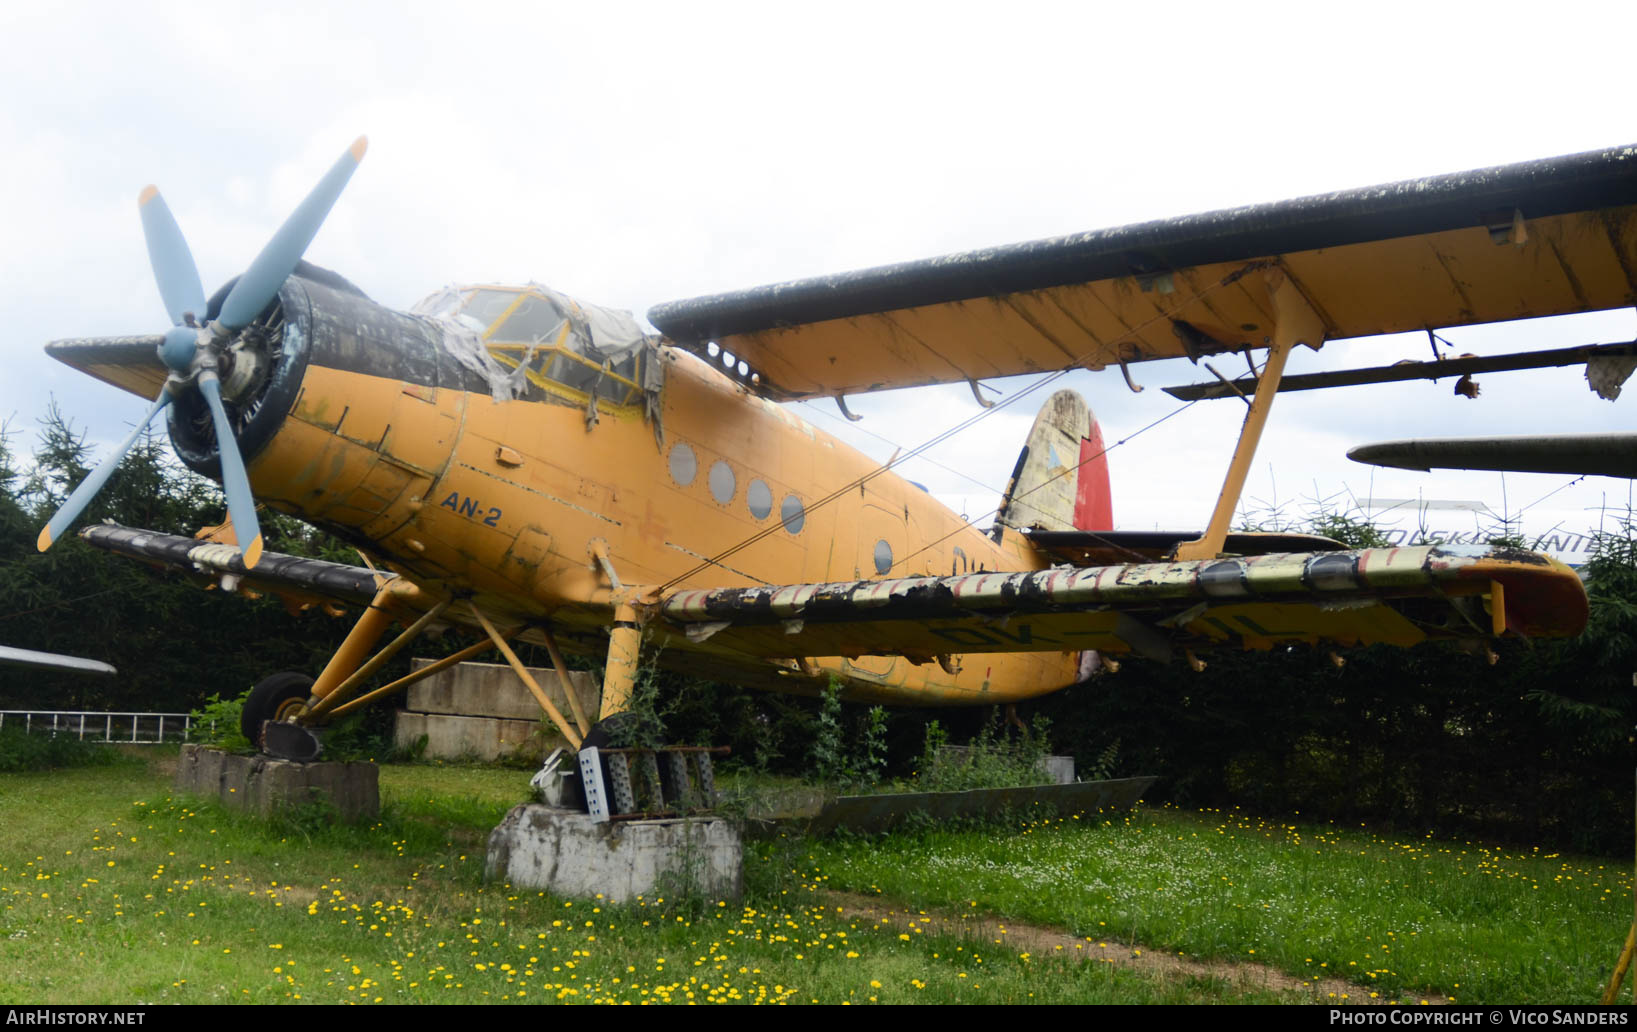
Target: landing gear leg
x,y
290,699
620,674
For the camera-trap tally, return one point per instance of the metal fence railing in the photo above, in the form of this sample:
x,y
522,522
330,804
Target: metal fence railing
x,y
101,726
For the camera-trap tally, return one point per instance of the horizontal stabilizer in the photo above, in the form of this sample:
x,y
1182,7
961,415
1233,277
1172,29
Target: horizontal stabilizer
x,y
1604,455
1111,547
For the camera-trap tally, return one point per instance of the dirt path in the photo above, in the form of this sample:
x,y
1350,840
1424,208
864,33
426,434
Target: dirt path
x,y
1238,975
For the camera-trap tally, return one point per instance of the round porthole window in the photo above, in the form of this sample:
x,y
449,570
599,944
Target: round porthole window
x,y
883,557
722,482
792,514
760,498
684,464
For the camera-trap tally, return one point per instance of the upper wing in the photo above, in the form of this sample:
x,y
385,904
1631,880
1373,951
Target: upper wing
x,y
1540,238
1397,596
129,363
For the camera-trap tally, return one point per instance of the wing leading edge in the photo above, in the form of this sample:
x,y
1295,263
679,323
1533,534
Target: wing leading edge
x,y
1396,596
1539,238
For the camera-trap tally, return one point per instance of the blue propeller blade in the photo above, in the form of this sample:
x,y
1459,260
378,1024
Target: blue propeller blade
x,y
260,283
88,488
241,503
172,262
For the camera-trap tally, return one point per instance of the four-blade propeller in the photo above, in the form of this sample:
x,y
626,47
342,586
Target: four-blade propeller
x,y
192,348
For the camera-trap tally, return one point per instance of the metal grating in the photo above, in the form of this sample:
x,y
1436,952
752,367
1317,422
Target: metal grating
x,y
630,784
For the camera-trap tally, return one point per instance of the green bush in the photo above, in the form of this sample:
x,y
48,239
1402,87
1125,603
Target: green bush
x,y
993,759
22,751
838,762
216,723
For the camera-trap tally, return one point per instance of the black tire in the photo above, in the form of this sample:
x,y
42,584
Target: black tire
x,y
272,699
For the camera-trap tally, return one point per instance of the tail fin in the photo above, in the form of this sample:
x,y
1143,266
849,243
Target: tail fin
x,y
1061,478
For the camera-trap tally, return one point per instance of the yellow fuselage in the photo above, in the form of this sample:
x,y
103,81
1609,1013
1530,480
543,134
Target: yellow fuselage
x,y
509,501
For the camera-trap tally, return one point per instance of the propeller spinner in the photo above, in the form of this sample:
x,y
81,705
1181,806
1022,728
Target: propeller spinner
x,y
192,349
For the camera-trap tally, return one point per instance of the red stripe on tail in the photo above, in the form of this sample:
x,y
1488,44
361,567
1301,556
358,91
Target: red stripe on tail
x,y
1093,502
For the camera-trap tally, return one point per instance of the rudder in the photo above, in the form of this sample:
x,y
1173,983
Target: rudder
x,y
1061,480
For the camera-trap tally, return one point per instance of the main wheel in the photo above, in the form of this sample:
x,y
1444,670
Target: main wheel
x,y
278,697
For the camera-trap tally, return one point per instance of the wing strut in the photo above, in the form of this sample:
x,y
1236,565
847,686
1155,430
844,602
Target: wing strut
x,y
568,730
1295,322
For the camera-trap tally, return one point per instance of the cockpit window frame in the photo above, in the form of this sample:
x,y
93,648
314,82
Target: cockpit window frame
x,y
619,389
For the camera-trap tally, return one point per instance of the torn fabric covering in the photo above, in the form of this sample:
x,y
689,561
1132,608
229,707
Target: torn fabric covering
x,y
463,342
472,318
1608,373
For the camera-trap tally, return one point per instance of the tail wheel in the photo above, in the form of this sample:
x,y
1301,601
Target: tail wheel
x,y
280,697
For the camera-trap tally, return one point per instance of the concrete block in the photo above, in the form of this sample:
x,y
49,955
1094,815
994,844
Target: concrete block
x,y
264,786
1059,770
494,690
478,738
208,767
566,853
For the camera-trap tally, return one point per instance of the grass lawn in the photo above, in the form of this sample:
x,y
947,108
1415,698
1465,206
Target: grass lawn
x,y
1407,919
111,890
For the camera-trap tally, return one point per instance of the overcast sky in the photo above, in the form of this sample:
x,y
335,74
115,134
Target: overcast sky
x,y
633,153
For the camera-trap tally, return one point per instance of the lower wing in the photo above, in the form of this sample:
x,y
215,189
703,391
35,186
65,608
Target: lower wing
x,y
292,577
1394,596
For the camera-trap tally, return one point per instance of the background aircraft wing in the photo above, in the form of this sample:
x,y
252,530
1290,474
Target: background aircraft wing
x,y
1605,455
1397,596
10,656
1534,239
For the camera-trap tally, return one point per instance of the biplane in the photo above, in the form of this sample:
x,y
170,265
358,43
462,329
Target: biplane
x,y
527,466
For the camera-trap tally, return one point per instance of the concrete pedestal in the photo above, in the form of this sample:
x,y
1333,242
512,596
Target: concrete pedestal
x,y
568,854
263,785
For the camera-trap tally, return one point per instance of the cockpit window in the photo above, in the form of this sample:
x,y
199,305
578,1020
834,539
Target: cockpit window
x,y
522,325
534,318
485,306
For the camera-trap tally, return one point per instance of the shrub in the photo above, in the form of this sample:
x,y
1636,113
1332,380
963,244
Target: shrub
x,y
835,760
994,759
22,751
216,723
